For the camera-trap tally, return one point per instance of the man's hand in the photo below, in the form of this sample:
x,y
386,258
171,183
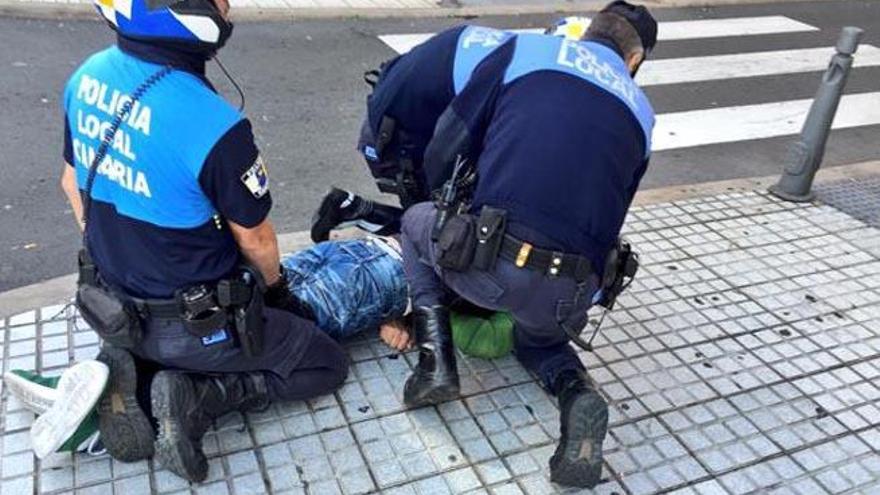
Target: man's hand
x,y
259,246
395,335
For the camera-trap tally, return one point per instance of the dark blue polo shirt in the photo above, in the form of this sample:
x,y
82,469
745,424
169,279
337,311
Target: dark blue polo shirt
x,y
561,138
415,88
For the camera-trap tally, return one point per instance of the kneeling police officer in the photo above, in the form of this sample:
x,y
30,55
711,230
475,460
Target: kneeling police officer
x,y
180,266
409,94
556,136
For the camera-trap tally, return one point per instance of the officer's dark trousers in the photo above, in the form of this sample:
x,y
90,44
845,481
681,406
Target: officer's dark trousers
x,y
540,305
299,361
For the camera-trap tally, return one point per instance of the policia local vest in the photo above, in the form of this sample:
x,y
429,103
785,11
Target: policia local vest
x,y
153,228
415,88
566,144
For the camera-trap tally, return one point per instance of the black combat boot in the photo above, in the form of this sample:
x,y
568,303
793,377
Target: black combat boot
x,y
583,418
125,427
185,404
435,379
341,208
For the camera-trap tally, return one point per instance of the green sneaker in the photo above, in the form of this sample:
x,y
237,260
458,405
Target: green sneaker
x,y
486,337
86,438
35,392
78,391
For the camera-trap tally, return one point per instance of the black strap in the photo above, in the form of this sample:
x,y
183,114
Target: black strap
x,y
108,140
371,77
551,263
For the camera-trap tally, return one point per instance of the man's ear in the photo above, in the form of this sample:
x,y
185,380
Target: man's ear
x,y
634,60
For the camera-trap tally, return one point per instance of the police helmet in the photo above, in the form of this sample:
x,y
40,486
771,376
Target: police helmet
x,y
570,28
192,25
640,19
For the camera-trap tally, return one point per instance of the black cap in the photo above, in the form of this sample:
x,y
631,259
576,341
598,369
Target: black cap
x,y
639,17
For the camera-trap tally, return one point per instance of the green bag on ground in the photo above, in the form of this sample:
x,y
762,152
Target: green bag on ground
x,y
486,337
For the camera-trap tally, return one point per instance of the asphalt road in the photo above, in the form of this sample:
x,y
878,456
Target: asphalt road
x,y
305,97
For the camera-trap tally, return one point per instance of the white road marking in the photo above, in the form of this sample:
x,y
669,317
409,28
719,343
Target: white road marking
x,y
741,123
738,65
674,30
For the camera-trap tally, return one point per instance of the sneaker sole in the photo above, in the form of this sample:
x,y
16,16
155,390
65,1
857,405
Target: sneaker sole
x,y
78,391
174,450
587,422
320,230
125,429
35,397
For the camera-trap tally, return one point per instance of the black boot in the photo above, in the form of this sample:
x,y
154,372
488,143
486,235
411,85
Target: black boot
x,y
185,404
341,208
435,379
583,418
125,427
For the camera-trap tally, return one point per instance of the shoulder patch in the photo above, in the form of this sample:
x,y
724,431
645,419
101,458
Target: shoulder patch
x,y
256,178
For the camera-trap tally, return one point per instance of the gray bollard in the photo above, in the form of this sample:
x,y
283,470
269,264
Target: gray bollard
x,y
807,152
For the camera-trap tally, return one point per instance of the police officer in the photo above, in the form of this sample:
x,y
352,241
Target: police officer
x,y
411,93
177,207
559,135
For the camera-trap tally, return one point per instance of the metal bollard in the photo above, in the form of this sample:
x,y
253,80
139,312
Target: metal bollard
x,y
807,152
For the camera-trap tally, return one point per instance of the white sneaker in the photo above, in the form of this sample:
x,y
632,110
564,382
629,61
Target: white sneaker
x,y
35,396
78,392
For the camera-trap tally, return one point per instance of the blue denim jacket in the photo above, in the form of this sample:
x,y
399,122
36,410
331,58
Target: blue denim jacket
x,y
351,286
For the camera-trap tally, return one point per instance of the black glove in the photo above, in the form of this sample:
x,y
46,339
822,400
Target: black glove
x,y
278,296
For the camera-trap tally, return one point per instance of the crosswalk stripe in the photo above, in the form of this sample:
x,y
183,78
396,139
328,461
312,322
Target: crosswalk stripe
x,y
741,123
735,123
738,65
666,31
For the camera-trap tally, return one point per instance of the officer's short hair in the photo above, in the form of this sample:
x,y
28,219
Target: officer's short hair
x,y
615,28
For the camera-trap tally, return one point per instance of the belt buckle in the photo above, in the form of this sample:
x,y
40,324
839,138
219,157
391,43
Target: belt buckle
x,y
555,264
522,257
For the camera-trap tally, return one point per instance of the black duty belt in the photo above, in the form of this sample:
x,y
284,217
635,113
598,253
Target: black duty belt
x,y
163,309
170,309
551,263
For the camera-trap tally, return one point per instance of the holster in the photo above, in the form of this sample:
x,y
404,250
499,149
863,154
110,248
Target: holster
x,y
456,243
114,319
243,297
491,225
621,264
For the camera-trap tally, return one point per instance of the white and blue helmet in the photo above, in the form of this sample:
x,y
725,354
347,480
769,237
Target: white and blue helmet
x,y
194,25
570,28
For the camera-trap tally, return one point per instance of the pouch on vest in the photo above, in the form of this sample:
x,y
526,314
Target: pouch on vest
x,y
491,225
456,243
112,319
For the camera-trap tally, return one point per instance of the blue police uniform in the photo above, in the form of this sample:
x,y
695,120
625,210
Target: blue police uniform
x,y
181,164
415,88
563,136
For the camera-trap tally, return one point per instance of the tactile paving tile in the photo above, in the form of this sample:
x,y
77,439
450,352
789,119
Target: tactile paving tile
x,y
857,198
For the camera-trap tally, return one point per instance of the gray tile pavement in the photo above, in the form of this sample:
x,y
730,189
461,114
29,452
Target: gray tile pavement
x,y
745,358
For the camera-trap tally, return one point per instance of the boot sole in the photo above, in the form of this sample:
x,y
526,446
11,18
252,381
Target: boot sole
x,y
587,421
125,429
33,396
78,391
435,396
174,449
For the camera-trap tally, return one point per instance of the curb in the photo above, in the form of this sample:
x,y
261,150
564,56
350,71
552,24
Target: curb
x,y
85,11
61,289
